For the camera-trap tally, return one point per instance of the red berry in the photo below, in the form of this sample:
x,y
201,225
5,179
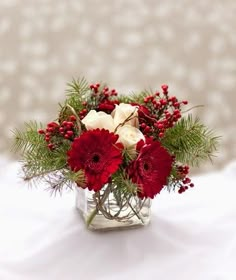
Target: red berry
x,y
172,99
41,131
70,133
50,129
52,124
147,129
47,139
157,105
66,136
164,88
181,189
73,118
185,102
69,124
168,115
163,102
61,129
51,146
161,134
143,125
187,180
191,185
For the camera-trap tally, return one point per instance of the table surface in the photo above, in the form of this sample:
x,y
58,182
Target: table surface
x,y
191,236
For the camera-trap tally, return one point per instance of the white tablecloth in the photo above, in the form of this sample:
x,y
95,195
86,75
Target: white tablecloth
x,y
191,236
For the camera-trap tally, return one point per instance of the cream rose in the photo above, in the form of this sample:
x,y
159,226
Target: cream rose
x,y
129,135
124,111
100,120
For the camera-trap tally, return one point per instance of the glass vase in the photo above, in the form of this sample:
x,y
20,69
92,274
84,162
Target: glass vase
x,y
108,210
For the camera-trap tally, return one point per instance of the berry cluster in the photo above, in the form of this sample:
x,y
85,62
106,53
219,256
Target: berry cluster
x,y
165,112
106,92
186,181
54,130
51,130
102,98
84,111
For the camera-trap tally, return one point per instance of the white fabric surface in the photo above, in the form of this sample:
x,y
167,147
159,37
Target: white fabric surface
x,y
191,237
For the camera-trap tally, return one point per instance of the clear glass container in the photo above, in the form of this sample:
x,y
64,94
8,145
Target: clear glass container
x,y
105,211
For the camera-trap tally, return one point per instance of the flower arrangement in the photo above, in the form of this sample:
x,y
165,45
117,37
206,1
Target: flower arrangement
x,y
130,147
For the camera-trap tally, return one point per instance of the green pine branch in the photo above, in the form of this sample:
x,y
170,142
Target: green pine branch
x,y
77,91
191,141
123,187
39,162
77,87
28,139
134,97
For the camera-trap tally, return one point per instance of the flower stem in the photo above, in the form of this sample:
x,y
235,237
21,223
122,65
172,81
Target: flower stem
x,y
91,217
93,214
136,213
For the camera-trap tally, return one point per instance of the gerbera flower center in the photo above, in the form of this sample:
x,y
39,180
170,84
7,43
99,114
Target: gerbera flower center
x,y
96,158
146,166
96,162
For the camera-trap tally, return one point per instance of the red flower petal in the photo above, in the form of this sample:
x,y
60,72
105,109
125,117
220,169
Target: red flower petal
x,y
97,153
151,168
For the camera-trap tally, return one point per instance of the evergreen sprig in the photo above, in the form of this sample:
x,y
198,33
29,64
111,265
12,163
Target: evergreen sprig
x,y
190,141
39,162
77,87
134,97
29,139
77,92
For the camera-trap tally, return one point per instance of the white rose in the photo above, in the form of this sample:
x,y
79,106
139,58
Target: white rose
x,y
124,111
129,135
100,120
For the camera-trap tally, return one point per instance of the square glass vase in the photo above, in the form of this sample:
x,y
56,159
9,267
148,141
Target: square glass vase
x,y
105,210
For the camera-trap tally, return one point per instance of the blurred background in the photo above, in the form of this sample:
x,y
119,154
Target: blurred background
x,y
132,45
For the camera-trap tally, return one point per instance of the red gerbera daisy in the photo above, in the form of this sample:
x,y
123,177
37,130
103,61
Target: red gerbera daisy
x,y
97,153
151,168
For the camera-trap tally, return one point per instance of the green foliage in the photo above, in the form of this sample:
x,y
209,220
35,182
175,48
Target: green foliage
x,y
77,87
77,91
65,178
190,141
29,139
129,154
78,177
123,187
134,97
39,162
